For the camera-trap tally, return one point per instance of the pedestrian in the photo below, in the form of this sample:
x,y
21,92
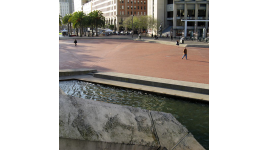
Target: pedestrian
x,y
75,42
177,43
140,36
185,53
171,38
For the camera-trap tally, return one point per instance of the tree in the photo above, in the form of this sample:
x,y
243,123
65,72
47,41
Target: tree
x,y
143,22
60,22
111,27
88,21
67,20
91,22
127,23
99,19
78,20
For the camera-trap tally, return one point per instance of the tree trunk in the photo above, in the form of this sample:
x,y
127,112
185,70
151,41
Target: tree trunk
x,y
77,32
96,29
71,28
68,29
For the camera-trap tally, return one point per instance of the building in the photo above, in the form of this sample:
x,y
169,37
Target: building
x,y
125,8
186,18
66,7
114,11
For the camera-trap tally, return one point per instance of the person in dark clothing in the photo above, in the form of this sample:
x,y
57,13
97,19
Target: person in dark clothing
x,y
171,38
75,42
185,53
177,43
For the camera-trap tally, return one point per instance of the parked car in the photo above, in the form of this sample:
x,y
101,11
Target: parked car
x,y
122,32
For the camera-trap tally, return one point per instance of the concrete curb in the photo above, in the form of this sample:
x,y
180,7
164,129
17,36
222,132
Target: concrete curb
x,y
156,82
144,39
72,72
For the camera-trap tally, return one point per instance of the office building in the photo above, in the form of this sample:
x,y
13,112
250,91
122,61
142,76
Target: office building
x,y
186,18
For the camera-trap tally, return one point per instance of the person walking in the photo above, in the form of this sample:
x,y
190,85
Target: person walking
x,y
75,42
185,53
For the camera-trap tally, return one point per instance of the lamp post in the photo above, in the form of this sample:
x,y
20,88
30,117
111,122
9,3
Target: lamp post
x,y
132,19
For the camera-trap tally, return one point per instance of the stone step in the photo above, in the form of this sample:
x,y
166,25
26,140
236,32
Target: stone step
x,y
199,88
73,72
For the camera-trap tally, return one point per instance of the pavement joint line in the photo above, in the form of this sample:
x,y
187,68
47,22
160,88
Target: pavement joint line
x,y
177,93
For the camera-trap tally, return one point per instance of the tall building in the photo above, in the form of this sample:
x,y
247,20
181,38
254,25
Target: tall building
x,y
187,18
66,7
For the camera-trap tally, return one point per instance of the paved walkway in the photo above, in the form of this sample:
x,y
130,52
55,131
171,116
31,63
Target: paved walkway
x,y
146,57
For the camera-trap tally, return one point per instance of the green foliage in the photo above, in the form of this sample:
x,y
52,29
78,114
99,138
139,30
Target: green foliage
x,y
139,22
66,19
128,22
78,19
111,27
153,23
97,18
60,22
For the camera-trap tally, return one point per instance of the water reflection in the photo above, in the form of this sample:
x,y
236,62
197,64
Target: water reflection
x,y
194,116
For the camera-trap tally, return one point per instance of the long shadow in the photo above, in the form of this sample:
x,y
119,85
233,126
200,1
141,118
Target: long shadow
x,y
98,68
198,61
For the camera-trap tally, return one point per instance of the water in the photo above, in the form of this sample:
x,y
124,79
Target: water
x,y
194,116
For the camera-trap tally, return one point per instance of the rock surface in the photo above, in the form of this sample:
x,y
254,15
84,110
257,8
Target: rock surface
x,y
110,124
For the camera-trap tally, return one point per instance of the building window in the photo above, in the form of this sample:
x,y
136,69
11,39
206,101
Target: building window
x,y
141,7
144,2
122,7
119,1
169,14
138,1
144,13
122,13
144,7
141,2
135,12
134,7
131,1
141,13
170,2
127,1
138,7
138,13
191,13
134,1
202,24
128,12
131,7
122,1
127,7
131,12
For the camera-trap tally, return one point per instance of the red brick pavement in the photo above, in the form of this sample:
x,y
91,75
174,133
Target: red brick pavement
x,y
136,57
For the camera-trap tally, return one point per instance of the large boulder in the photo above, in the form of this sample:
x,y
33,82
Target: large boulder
x,y
87,124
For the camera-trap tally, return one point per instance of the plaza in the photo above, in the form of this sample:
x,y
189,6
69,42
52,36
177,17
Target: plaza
x,y
138,57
